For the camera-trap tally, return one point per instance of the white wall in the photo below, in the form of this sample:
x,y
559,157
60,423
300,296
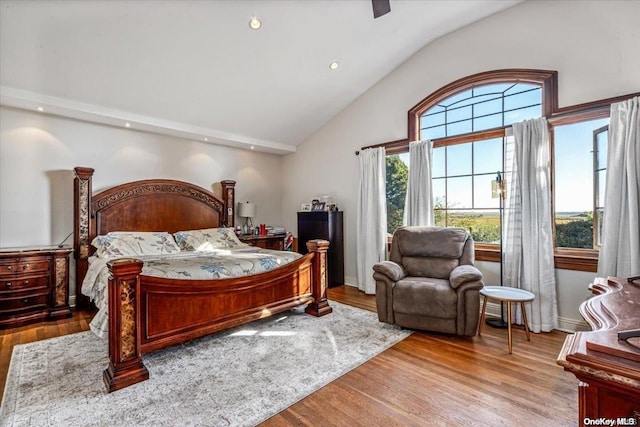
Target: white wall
x,y
38,153
593,45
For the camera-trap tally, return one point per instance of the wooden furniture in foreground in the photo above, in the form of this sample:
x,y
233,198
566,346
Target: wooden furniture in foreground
x,y
275,242
508,295
608,368
34,285
325,225
148,313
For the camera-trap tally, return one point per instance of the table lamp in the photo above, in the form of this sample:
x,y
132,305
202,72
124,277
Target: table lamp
x,y
246,211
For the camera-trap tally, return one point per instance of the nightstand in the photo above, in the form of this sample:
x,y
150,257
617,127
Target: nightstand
x,y
34,285
275,242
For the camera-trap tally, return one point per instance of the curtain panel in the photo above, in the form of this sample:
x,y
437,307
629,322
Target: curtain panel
x,y
418,207
620,251
371,221
528,232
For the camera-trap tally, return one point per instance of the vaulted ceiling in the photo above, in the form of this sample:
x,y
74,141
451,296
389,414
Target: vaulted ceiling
x,y
195,69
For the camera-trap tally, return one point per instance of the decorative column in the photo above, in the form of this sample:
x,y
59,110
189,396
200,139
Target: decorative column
x,y
228,196
125,361
320,306
81,226
60,283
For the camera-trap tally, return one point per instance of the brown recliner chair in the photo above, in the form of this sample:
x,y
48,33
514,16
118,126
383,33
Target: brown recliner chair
x,y
430,281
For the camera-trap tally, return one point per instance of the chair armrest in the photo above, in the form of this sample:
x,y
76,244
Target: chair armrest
x,y
390,269
463,274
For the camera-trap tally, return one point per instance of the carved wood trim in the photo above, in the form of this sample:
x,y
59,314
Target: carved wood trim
x,y
135,189
320,305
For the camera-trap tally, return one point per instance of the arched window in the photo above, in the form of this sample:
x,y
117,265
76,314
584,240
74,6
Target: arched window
x,y
468,121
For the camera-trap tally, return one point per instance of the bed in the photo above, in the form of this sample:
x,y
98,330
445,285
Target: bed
x,y
148,312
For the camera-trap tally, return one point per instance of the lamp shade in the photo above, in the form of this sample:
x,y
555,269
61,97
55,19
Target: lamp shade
x,y
247,210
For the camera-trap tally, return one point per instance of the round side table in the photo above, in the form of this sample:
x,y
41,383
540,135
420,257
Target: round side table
x,y
508,295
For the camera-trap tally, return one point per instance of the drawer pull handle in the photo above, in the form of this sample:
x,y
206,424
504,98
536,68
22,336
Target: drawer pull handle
x,y
9,285
10,268
26,300
26,282
24,267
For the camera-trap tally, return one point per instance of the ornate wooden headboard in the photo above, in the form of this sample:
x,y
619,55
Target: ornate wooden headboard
x,y
147,205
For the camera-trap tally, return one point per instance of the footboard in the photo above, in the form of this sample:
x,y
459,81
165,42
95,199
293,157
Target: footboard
x,y
148,313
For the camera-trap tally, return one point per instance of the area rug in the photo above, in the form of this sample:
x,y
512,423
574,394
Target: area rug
x,y
239,377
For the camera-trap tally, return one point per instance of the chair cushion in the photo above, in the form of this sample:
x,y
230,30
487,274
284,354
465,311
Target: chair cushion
x,y
433,242
439,268
424,296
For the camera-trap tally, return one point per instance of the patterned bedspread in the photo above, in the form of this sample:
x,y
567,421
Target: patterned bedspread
x,y
194,265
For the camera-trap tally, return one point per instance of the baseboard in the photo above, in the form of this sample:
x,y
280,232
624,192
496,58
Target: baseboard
x,y
564,324
72,301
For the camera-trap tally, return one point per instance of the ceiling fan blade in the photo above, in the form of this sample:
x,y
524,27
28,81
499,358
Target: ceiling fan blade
x,y
380,7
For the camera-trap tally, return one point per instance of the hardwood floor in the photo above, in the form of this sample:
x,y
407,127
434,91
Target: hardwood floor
x,y
427,379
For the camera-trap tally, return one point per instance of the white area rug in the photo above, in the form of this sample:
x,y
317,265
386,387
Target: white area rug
x,y
239,377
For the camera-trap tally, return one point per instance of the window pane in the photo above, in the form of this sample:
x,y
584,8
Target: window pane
x,y
484,226
397,175
492,88
488,122
522,114
438,162
482,192
487,156
459,159
522,99
439,193
488,107
457,114
440,218
432,120
601,144
519,87
456,98
459,128
602,181
574,183
433,133
459,192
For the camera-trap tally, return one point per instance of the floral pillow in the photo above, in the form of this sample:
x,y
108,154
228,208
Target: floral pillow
x,y
208,239
125,243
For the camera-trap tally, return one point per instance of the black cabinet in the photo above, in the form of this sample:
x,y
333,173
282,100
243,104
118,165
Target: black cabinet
x,y
327,226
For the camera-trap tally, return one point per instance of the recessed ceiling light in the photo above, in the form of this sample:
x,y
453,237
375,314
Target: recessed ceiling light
x,y
255,23
127,125
334,65
206,139
40,109
253,148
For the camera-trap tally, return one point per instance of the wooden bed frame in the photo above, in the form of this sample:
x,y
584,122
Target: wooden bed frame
x,y
148,313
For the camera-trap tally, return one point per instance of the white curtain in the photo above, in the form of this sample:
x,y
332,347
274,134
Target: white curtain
x,y
528,236
418,205
371,227
620,251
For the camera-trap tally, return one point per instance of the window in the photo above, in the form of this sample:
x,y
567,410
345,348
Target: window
x,y
467,120
580,151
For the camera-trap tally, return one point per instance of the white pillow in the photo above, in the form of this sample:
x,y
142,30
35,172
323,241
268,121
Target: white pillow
x,y
134,243
208,239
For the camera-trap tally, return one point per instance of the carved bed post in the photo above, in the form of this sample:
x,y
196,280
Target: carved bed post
x,y
320,306
228,196
125,361
81,227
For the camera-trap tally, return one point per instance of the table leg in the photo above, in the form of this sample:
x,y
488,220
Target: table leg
x,y
526,324
509,324
484,308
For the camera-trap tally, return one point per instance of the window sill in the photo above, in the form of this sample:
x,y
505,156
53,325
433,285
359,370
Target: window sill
x,y
564,259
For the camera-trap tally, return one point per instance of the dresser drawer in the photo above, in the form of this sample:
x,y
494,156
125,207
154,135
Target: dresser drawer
x,y
29,302
23,265
22,282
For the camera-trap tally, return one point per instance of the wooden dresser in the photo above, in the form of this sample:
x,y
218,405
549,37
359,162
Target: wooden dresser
x,y
275,242
34,285
608,368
